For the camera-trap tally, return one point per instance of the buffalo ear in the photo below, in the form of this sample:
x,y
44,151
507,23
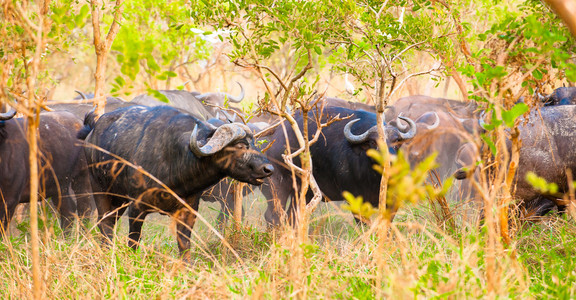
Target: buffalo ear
x,y
467,154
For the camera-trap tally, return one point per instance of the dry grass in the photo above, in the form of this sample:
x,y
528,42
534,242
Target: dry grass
x,y
421,261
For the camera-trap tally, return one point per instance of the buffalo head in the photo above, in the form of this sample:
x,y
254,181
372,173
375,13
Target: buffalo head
x,y
231,147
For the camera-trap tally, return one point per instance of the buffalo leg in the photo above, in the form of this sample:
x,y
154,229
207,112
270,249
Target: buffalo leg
x,y
136,219
108,212
82,191
66,207
8,206
185,222
108,215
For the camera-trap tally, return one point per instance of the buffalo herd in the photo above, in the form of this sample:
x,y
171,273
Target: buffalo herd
x,y
145,155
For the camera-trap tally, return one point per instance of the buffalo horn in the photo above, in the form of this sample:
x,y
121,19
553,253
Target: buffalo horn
x,y
399,124
84,97
7,115
461,120
203,97
223,136
481,122
239,98
546,99
411,132
357,139
541,97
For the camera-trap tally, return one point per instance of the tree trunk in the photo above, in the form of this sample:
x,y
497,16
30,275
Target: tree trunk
x,y
33,161
566,9
238,195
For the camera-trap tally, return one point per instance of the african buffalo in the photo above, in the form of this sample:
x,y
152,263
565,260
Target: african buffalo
x,y
548,137
62,165
443,126
339,158
185,154
560,96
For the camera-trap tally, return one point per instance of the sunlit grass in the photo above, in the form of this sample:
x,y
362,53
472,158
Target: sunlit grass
x,y
422,260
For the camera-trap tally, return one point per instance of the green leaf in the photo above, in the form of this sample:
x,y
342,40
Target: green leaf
x,y
511,115
318,50
537,74
156,94
490,144
540,184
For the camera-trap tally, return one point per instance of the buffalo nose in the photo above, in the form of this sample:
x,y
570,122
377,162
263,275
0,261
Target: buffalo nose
x,y
267,169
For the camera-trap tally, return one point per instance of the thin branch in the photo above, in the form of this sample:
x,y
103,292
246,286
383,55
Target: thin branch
x,y
96,20
115,27
410,76
406,49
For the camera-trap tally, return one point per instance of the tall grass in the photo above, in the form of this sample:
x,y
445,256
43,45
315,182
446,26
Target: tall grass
x,y
422,260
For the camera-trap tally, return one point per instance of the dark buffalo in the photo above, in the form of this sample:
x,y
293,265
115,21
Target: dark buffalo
x,y
339,158
548,138
63,169
561,96
184,153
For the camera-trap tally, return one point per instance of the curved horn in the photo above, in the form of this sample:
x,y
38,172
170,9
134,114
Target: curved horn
x,y
436,123
399,124
223,136
357,139
411,132
203,97
461,120
8,115
543,98
239,98
84,97
481,122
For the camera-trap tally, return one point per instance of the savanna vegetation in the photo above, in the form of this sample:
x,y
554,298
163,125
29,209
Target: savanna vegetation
x,y
286,53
